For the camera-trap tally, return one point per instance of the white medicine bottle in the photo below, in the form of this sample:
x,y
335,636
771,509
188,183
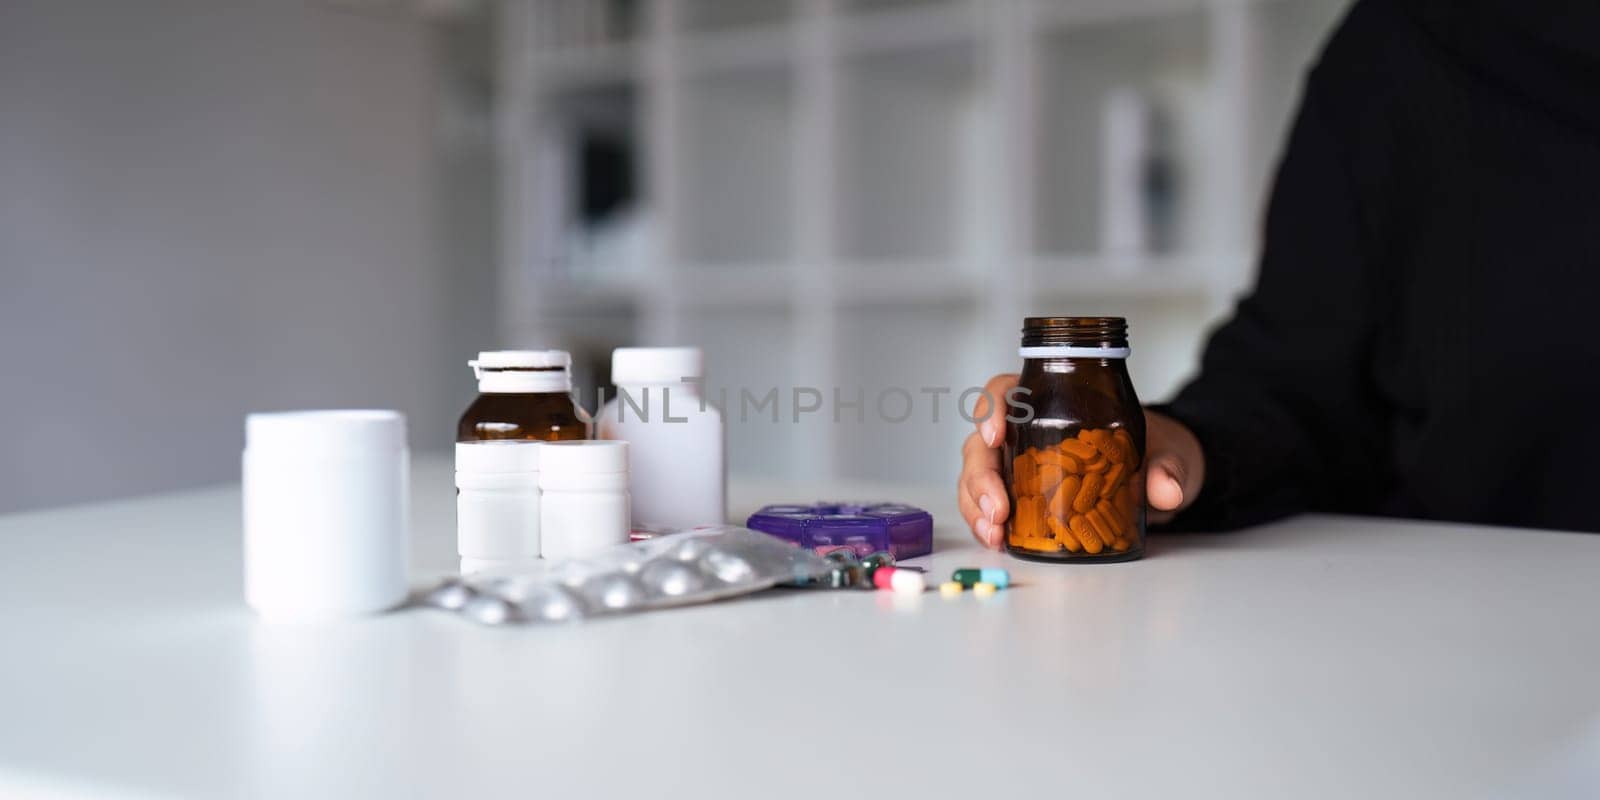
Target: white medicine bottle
x,y
675,441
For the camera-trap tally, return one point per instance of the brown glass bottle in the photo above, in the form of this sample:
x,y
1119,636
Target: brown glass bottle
x,y
1074,449
522,394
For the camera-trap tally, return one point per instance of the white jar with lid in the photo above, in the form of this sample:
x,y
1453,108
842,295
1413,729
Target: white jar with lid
x,y
584,503
675,439
326,497
497,504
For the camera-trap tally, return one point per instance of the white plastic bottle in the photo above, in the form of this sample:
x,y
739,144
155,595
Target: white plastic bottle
x,y
583,500
497,504
675,447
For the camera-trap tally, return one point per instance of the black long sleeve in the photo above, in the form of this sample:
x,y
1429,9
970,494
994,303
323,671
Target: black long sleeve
x,y
1417,342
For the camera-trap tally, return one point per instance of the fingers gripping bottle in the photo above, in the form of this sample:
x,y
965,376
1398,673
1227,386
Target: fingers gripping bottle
x,y
1074,468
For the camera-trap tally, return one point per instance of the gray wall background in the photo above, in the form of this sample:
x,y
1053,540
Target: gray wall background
x,y
209,208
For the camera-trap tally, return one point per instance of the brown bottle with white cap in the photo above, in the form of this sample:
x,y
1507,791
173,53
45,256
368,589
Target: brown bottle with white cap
x,y
522,394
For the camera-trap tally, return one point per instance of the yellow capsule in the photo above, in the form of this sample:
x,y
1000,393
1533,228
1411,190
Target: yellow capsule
x,y
950,588
984,589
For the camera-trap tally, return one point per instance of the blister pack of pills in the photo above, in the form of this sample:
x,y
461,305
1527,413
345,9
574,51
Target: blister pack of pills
x,y
695,566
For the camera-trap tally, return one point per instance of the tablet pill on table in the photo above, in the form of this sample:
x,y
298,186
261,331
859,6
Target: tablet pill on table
x,y
950,588
984,589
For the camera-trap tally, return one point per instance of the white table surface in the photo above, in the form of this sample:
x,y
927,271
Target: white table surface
x,y
1319,657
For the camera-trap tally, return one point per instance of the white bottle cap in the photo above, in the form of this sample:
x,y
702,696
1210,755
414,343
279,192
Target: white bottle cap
x,y
583,457
325,513
523,371
325,434
498,456
656,365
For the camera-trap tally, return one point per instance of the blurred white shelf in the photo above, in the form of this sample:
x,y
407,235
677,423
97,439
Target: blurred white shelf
x,y
762,285
910,283
1067,13
1153,276
835,188
579,67
888,283
920,26
764,47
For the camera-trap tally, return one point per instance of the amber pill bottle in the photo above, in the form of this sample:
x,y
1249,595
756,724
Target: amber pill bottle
x,y
522,394
1074,449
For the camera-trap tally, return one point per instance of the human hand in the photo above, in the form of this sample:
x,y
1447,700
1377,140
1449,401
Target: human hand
x,y
1175,467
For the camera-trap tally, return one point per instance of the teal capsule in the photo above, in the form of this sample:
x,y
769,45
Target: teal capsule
x,y
969,577
878,559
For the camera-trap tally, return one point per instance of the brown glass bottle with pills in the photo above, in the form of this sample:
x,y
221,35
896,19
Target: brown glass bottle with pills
x,y
522,394
1074,448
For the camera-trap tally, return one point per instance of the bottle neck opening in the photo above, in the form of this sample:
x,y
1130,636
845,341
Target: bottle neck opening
x,y
1074,337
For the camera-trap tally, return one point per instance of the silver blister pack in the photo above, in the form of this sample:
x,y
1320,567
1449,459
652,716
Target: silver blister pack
x,y
695,566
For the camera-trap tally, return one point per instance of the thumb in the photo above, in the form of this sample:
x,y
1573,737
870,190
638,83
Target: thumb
x,y
1164,483
1175,467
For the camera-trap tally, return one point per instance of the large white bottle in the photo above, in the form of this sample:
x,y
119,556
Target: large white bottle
x,y
675,447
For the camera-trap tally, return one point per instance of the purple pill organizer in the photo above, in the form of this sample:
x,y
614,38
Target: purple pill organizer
x,y
904,531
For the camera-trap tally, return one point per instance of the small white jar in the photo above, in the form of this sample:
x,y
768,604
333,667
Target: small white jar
x,y
325,513
497,504
584,507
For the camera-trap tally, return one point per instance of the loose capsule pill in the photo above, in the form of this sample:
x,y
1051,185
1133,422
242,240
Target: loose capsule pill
x,y
984,589
950,589
905,581
882,576
971,576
